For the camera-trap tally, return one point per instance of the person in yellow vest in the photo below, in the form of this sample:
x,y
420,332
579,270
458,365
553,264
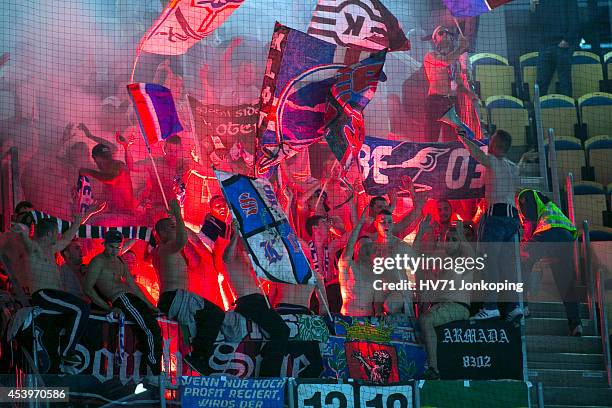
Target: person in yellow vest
x,y
548,233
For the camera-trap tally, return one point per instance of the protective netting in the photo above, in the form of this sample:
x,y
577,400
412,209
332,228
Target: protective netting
x,y
258,99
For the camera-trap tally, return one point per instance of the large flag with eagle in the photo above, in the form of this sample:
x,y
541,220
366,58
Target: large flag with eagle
x,y
272,245
365,25
299,74
472,8
353,88
443,170
185,22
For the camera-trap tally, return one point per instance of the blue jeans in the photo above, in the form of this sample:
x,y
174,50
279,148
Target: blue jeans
x,y
554,57
495,239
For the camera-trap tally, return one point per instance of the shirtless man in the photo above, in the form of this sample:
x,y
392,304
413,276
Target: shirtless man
x,y
110,275
174,288
406,224
116,175
172,164
386,246
251,304
45,281
355,274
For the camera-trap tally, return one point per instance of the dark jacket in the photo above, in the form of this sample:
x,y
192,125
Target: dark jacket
x,y
557,20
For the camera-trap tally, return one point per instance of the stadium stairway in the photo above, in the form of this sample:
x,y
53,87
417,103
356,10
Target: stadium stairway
x,y
571,369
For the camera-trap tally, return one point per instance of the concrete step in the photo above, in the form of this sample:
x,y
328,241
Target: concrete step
x,y
569,378
577,396
554,310
563,344
554,327
565,361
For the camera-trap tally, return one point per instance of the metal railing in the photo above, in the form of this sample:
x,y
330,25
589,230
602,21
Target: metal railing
x,y
540,135
9,185
597,287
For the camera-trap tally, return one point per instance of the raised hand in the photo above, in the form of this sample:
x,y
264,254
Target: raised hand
x,y
425,225
175,208
123,141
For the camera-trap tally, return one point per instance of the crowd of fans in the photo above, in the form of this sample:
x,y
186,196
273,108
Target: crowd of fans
x,y
200,272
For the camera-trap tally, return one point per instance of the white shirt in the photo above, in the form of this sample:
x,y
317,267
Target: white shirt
x,y
501,181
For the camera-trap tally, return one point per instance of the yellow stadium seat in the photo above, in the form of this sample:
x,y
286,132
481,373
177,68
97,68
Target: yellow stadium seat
x,y
589,202
559,113
570,157
586,73
509,113
608,64
596,113
599,151
493,74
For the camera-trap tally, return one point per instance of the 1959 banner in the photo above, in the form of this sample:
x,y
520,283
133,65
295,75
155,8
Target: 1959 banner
x,y
443,170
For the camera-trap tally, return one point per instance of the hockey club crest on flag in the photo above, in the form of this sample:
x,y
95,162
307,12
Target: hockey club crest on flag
x,y
299,74
272,245
352,90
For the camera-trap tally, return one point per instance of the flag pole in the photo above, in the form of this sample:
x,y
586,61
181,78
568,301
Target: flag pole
x,y
331,172
323,297
135,63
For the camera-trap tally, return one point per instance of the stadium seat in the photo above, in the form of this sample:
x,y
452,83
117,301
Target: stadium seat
x,y
570,157
596,113
586,73
509,113
559,113
589,202
599,151
529,72
493,74
607,60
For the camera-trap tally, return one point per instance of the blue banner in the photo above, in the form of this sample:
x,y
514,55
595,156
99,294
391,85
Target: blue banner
x,y
442,170
232,392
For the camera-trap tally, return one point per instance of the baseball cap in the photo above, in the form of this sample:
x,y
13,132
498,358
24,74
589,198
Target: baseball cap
x,y
113,237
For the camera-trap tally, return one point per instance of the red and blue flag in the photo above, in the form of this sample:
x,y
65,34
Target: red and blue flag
x,y
353,88
472,8
155,110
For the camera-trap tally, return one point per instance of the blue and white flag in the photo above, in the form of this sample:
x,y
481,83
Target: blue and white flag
x,y
443,170
273,246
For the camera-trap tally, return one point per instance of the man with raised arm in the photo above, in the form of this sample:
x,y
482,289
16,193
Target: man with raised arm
x,y
500,223
46,286
388,246
203,318
355,274
251,303
116,175
120,294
